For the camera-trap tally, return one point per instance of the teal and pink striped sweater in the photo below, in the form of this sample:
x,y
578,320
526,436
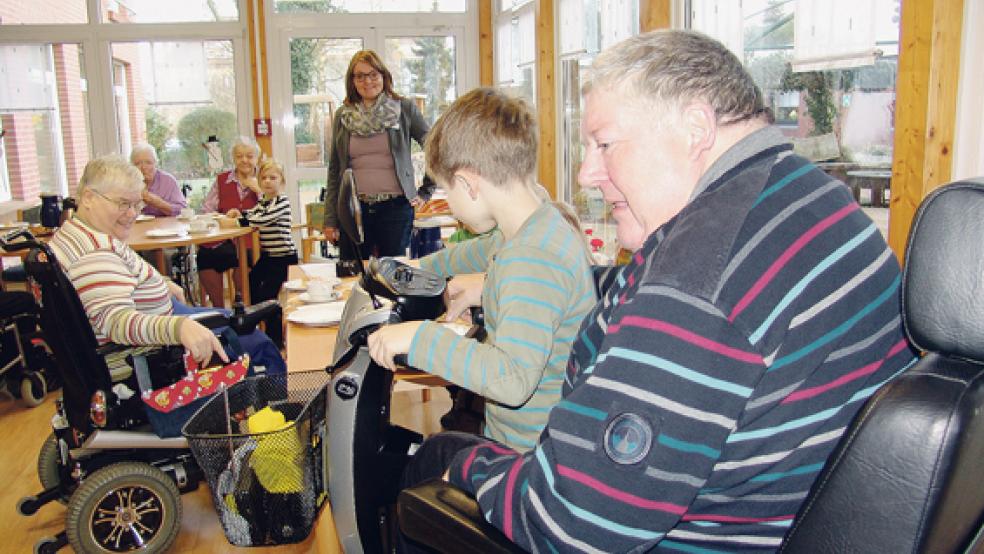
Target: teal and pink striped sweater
x,y
708,386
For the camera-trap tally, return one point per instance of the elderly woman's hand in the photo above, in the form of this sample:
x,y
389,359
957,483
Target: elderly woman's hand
x,y
201,342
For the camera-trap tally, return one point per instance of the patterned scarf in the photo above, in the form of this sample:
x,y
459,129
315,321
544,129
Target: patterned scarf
x,y
364,121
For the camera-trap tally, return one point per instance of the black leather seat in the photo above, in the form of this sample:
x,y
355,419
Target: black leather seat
x,y
907,475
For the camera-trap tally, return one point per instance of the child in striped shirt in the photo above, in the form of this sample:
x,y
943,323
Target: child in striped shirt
x,y
538,284
272,217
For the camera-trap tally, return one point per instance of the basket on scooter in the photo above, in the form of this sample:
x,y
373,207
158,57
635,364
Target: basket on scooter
x,y
266,481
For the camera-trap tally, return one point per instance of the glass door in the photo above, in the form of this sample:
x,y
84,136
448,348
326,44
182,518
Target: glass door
x,y
425,67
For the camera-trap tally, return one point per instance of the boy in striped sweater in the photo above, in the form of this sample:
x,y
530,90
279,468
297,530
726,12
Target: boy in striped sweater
x,y
723,363
272,217
538,285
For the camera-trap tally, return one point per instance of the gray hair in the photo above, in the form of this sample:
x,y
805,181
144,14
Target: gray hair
x,y
143,147
669,68
110,172
246,142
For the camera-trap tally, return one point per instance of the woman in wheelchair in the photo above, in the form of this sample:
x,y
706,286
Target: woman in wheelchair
x,y
125,298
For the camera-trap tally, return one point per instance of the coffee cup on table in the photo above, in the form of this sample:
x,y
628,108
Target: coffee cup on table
x,y
320,290
186,213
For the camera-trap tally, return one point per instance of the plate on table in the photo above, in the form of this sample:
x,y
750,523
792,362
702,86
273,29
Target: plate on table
x,y
306,298
318,315
144,217
166,233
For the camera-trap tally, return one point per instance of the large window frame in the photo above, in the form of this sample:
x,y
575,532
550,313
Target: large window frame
x,y
96,39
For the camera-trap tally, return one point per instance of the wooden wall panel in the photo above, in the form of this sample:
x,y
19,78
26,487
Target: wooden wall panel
x,y
654,14
546,101
925,108
486,49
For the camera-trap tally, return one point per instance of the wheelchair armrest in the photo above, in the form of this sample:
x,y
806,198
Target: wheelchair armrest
x,y
111,347
441,516
212,320
244,321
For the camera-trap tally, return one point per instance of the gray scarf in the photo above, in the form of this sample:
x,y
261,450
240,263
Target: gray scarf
x,y
364,121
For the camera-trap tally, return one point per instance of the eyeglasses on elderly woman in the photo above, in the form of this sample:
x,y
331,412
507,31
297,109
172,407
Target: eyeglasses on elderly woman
x,y
122,205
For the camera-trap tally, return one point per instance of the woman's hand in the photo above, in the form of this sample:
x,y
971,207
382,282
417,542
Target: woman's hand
x,y
252,184
234,213
176,291
390,340
331,233
201,342
463,292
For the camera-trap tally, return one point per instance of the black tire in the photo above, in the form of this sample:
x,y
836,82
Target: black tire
x,y
123,507
49,463
33,389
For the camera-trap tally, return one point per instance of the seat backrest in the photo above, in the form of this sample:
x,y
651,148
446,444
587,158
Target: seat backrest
x,y
69,334
906,476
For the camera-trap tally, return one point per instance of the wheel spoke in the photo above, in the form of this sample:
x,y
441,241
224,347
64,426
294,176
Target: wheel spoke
x,y
137,538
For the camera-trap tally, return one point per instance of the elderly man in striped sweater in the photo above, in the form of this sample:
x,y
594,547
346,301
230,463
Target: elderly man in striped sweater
x,y
707,388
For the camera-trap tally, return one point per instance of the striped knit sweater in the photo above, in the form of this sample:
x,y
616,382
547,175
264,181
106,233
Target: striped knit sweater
x,y
707,388
273,218
126,299
538,288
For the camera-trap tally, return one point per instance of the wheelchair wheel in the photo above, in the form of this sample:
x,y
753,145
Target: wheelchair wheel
x,y
33,388
122,507
49,461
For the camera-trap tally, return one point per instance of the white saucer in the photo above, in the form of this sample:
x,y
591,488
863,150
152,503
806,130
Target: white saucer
x,y
144,217
202,232
166,233
295,285
318,315
306,298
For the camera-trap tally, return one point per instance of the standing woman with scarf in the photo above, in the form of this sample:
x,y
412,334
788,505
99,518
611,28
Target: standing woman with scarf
x,y
371,134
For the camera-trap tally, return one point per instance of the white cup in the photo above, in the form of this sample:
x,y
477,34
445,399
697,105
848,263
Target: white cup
x,y
202,225
320,290
186,213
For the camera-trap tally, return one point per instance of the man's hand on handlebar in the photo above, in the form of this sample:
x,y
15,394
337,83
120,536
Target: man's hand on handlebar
x,y
463,292
201,342
390,340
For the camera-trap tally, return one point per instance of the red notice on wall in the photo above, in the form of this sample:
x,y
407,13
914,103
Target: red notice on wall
x,y
262,128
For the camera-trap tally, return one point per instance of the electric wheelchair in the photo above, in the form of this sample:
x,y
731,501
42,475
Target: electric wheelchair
x,y
906,476
25,363
120,481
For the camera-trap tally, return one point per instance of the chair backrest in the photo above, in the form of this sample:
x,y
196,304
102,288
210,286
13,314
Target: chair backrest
x,y
69,334
906,477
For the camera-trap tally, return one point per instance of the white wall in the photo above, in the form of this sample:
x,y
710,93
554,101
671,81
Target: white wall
x,y
968,145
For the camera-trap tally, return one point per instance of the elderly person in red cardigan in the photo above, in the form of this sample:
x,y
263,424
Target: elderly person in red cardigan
x,y
235,189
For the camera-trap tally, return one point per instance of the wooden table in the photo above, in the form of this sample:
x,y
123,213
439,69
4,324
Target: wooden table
x,y
242,236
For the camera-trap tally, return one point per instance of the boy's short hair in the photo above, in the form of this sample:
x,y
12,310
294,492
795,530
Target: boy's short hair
x,y
487,132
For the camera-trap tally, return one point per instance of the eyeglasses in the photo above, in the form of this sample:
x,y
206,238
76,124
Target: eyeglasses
x,y
123,205
371,76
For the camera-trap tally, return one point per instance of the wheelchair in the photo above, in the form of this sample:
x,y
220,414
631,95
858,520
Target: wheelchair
x,y
120,481
24,357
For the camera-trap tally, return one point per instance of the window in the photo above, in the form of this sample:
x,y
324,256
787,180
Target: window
x,y
170,11
370,6
60,103
836,104
586,27
515,49
174,95
43,108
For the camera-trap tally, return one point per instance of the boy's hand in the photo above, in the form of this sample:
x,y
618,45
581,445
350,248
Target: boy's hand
x,y
463,292
390,340
234,213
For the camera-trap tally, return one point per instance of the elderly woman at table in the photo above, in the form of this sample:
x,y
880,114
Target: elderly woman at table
x,y
235,189
126,299
161,192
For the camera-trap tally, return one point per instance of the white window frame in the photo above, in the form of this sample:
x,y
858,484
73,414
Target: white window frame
x,y
96,39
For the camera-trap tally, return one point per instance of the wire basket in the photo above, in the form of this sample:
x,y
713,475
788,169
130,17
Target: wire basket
x,y
266,483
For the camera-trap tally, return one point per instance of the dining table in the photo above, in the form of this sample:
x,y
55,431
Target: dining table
x,y
154,234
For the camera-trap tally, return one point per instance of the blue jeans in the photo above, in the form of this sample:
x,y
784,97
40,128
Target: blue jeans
x,y
262,351
386,226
